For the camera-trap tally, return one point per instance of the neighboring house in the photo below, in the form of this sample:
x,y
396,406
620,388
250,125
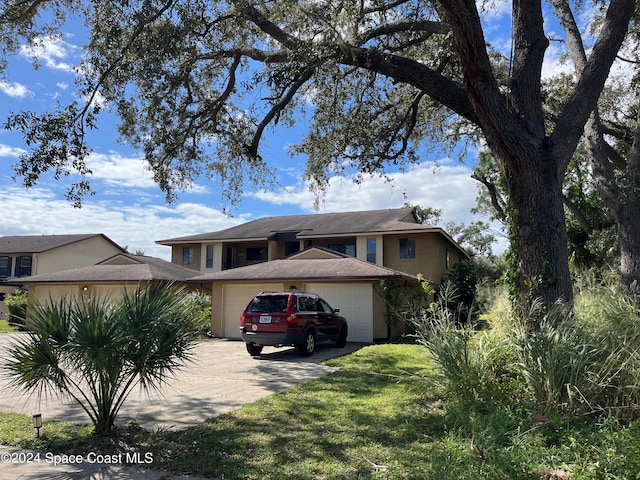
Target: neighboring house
x,y
27,255
108,278
340,256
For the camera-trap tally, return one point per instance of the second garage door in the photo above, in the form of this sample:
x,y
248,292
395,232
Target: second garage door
x,y
235,298
355,301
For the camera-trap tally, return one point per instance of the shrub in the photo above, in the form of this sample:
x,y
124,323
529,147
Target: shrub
x,y
587,363
476,368
97,351
198,307
17,308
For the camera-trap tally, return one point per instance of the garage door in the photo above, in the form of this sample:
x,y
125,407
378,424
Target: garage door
x,y
355,301
235,298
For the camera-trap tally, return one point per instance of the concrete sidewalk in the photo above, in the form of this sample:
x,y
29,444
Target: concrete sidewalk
x,y
223,377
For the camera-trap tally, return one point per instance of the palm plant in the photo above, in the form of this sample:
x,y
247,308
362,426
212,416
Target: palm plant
x,y
98,351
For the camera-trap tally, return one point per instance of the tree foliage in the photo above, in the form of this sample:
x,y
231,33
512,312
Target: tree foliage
x,y
197,86
96,352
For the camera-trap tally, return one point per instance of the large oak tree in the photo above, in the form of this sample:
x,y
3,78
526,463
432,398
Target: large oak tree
x,y
198,84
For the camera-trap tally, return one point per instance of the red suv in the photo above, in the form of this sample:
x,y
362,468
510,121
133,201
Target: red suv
x,y
291,318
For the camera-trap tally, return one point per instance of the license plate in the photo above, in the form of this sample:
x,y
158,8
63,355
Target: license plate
x,y
265,319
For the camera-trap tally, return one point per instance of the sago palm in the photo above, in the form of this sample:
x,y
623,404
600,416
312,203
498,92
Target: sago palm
x,y
99,350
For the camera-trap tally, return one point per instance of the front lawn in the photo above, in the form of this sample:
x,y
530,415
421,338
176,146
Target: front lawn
x,y
380,416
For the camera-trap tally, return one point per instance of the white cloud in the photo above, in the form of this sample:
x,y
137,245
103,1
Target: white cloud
x,y
9,151
118,170
52,52
447,187
15,90
137,226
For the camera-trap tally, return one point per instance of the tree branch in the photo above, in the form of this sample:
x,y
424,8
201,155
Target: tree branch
x,y
582,220
529,46
277,108
451,94
493,195
425,26
571,121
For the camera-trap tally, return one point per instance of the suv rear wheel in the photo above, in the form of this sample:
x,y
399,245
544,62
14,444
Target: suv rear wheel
x,y
254,349
308,346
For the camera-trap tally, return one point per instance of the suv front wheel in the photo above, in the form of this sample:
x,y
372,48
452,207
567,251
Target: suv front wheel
x,y
308,345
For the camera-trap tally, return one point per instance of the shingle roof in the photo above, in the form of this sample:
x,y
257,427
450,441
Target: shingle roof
x,y
15,244
319,224
132,268
347,268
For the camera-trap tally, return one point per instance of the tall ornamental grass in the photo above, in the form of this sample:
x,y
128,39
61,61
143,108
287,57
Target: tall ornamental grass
x,y
580,363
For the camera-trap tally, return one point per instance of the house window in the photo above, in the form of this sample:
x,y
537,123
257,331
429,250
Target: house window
x,y
257,254
346,248
371,250
209,258
5,267
187,256
407,248
446,259
23,266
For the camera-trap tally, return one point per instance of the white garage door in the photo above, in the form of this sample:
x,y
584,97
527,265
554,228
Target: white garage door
x,y
355,301
235,298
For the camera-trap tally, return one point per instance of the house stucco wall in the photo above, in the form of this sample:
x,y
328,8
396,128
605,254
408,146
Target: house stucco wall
x,y
430,255
75,255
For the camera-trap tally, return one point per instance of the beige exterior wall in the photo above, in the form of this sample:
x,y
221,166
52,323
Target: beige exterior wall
x,y
79,254
176,255
42,292
430,258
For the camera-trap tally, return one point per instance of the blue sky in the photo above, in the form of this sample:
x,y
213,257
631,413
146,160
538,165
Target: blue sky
x,y
130,209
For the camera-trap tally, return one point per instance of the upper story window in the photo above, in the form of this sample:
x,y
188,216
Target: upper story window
x,y
209,257
371,250
23,266
407,248
346,248
257,254
187,255
5,267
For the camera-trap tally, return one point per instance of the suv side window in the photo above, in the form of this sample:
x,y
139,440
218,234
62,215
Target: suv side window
x,y
324,306
306,304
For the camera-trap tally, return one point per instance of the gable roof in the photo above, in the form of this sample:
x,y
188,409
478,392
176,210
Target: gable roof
x,y
314,225
331,267
122,267
15,244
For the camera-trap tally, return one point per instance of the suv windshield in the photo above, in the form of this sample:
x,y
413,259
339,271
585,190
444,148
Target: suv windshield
x,y
270,303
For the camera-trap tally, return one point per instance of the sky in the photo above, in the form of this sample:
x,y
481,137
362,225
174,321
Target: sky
x,y
131,210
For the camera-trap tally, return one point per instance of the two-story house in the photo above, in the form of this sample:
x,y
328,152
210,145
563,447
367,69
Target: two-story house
x,y
340,256
28,255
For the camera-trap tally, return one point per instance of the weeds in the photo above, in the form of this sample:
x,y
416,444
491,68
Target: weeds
x,y
587,363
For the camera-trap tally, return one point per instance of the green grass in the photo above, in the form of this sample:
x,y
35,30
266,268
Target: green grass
x,y
378,417
5,327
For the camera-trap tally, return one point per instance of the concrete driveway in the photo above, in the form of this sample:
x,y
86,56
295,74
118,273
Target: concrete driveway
x,y
223,377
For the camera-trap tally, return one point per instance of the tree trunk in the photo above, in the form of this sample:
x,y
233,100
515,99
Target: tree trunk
x,y
629,240
629,218
539,235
